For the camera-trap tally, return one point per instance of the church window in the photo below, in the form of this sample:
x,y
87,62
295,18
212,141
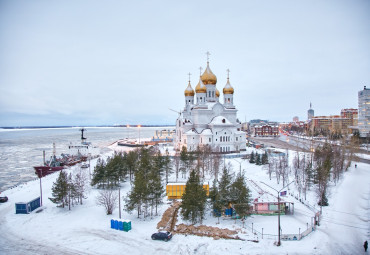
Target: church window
x,y
228,100
201,140
213,93
220,149
236,138
209,139
209,94
223,121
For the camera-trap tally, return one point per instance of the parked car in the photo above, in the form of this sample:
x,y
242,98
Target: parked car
x,y
162,236
3,199
85,165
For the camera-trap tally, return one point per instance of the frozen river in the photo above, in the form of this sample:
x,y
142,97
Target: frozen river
x,y
21,149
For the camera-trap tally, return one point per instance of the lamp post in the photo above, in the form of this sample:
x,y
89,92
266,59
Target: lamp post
x,y
279,228
40,187
240,166
139,126
119,197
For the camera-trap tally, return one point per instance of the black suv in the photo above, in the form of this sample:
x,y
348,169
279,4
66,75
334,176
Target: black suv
x,y
162,236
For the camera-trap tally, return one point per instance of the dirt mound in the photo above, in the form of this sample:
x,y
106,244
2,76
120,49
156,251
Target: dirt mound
x,y
202,230
169,217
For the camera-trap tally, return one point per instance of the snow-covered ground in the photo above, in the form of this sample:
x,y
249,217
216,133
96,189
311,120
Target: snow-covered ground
x,y
86,228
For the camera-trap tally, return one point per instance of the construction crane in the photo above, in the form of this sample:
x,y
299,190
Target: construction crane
x,y
175,111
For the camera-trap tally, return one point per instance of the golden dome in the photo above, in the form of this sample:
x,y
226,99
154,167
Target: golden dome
x,y
228,89
200,88
189,91
217,93
208,77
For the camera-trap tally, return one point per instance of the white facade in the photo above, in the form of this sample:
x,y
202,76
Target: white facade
x,y
364,112
207,121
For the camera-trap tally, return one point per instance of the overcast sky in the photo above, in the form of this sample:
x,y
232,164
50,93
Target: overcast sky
x,y
118,62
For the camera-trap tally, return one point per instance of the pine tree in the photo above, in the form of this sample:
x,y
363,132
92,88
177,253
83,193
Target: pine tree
x,y
224,187
99,173
167,165
215,198
265,159
60,190
184,159
155,189
240,195
131,161
251,159
194,199
258,160
137,197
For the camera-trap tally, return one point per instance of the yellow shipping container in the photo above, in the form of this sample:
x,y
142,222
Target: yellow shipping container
x,y
175,190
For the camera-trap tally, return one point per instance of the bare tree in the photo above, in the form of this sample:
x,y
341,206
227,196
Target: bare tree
x,y
108,199
270,166
80,180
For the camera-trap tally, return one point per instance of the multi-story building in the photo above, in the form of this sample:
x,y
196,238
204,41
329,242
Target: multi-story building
x,y
351,114
271,129
364,112
333,123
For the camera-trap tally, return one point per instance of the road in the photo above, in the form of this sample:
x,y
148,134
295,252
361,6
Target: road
x,y
295,143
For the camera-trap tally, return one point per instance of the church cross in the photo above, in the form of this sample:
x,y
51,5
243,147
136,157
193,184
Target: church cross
x,y
228,72
207,53
189,76
200,71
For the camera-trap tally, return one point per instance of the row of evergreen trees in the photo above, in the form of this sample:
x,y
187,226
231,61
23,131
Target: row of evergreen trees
x,y
148,170
256,158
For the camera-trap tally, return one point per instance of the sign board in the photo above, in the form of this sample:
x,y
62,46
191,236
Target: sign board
x,y
283,193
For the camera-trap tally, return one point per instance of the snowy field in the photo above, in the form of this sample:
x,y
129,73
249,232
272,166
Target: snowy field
x,y
86,228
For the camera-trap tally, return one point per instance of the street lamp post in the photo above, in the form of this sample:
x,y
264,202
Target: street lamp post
x,y
139,132
41,188
240,166
279,228
119,197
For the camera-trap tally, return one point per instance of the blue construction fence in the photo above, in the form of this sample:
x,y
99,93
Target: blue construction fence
x,y
120,225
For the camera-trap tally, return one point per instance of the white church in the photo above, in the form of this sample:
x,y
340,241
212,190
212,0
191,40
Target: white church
x,y
207,121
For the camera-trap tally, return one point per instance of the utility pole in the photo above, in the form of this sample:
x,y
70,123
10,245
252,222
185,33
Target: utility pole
x,y
279,228
119,197
240,166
